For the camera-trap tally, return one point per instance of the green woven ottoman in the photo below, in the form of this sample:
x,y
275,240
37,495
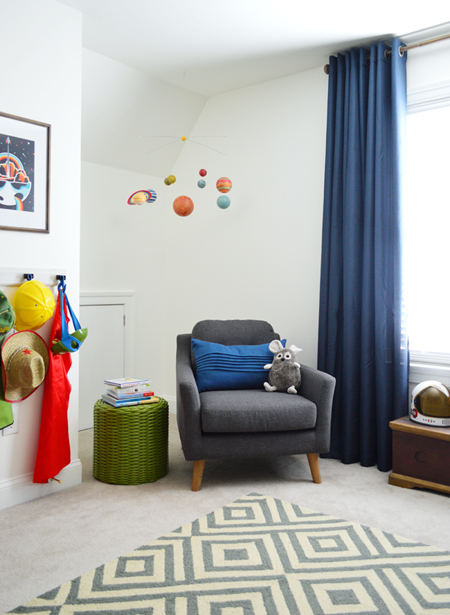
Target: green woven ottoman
x,y
131,443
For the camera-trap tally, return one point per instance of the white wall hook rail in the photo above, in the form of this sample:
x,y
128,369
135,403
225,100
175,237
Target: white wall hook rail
x,y
15,277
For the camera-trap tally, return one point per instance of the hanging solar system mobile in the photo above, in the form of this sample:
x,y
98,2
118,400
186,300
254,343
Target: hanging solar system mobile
x,y
183,205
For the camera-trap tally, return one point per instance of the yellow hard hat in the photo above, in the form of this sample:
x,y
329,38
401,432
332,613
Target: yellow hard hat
x,y
33,304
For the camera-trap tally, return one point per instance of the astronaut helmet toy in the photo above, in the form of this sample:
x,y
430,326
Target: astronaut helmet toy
x,y
430,404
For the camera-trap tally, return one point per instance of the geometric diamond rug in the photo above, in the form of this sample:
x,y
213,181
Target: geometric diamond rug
x,y
262,556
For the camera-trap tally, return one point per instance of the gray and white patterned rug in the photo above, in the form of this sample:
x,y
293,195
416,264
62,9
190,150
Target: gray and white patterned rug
x,y
262,556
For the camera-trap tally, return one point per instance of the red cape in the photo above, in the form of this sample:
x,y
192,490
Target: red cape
x,y
54,446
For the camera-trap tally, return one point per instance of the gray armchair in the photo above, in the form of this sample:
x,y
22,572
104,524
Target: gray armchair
x,y
253,422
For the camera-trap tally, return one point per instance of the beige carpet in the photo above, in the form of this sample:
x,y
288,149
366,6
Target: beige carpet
x,y
49,541
262,556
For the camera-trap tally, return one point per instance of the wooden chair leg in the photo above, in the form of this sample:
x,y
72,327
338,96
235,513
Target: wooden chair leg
x,y
313,460
197,475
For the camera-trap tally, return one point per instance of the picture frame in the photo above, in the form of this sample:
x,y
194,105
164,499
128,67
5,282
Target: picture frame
x,y
24,174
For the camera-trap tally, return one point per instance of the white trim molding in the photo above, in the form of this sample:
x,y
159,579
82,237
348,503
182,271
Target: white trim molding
x,y
431,96
21,489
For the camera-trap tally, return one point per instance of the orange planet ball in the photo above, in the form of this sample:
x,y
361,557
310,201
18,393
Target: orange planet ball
x,y
183,206
224,184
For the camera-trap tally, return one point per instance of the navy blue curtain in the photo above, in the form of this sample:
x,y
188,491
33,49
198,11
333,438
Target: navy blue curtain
x,y
362,336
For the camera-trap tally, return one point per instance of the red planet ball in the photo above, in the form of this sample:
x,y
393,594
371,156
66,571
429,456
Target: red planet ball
x,y
202,172
183,206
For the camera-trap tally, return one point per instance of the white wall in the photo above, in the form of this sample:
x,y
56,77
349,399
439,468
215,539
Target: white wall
x,y
131,120
41,44
260,258
123,249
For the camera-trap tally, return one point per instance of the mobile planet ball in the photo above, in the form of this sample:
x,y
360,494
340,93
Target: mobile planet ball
x,y
152,196
139,198
224,184
202,172
223,202
183,206
142,196
201,183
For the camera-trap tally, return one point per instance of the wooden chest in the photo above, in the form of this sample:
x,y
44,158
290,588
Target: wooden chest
x,y
420,455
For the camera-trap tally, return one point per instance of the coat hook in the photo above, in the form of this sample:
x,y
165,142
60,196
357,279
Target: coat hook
x,y
28,276
61,277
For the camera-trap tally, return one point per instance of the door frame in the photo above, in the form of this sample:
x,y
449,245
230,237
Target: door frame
x,y
126,299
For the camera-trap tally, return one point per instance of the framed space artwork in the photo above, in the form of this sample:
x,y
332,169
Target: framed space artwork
x,y
24,174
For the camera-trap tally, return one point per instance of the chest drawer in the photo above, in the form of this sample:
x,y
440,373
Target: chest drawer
x,y
421,457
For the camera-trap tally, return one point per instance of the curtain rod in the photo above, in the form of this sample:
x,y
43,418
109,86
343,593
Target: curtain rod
x,y
405,48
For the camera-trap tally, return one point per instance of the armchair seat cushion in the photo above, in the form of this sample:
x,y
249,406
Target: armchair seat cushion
x,y
250,411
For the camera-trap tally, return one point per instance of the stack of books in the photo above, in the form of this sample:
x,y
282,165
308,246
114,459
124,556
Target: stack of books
x,y
122,392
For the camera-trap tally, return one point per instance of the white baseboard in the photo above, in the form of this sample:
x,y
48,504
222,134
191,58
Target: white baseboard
x,y
22,489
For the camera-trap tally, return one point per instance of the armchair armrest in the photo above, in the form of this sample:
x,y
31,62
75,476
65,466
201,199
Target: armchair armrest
x,y
188,399
319,387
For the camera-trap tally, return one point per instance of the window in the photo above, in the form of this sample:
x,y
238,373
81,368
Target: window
x,y
428,234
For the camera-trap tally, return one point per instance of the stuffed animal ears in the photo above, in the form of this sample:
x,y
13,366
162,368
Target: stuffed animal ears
x,y
275,346
294,349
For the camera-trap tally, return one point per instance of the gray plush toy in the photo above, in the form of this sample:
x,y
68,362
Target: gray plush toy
x,y
284,372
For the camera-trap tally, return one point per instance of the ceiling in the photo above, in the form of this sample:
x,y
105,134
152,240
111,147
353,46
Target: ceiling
x,y
210,47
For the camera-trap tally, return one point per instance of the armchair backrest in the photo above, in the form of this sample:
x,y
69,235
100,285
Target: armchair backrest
x,y
233,333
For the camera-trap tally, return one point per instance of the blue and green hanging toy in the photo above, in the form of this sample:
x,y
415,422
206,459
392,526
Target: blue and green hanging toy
x,y
68,342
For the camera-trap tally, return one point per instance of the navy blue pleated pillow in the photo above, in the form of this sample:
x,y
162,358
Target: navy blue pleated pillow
x,y
222,367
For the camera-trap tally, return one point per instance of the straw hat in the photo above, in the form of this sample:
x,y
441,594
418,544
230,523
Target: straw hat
x,y
24,364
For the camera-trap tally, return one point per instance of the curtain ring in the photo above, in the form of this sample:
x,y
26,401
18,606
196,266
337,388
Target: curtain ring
x,y
401,53
387,53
